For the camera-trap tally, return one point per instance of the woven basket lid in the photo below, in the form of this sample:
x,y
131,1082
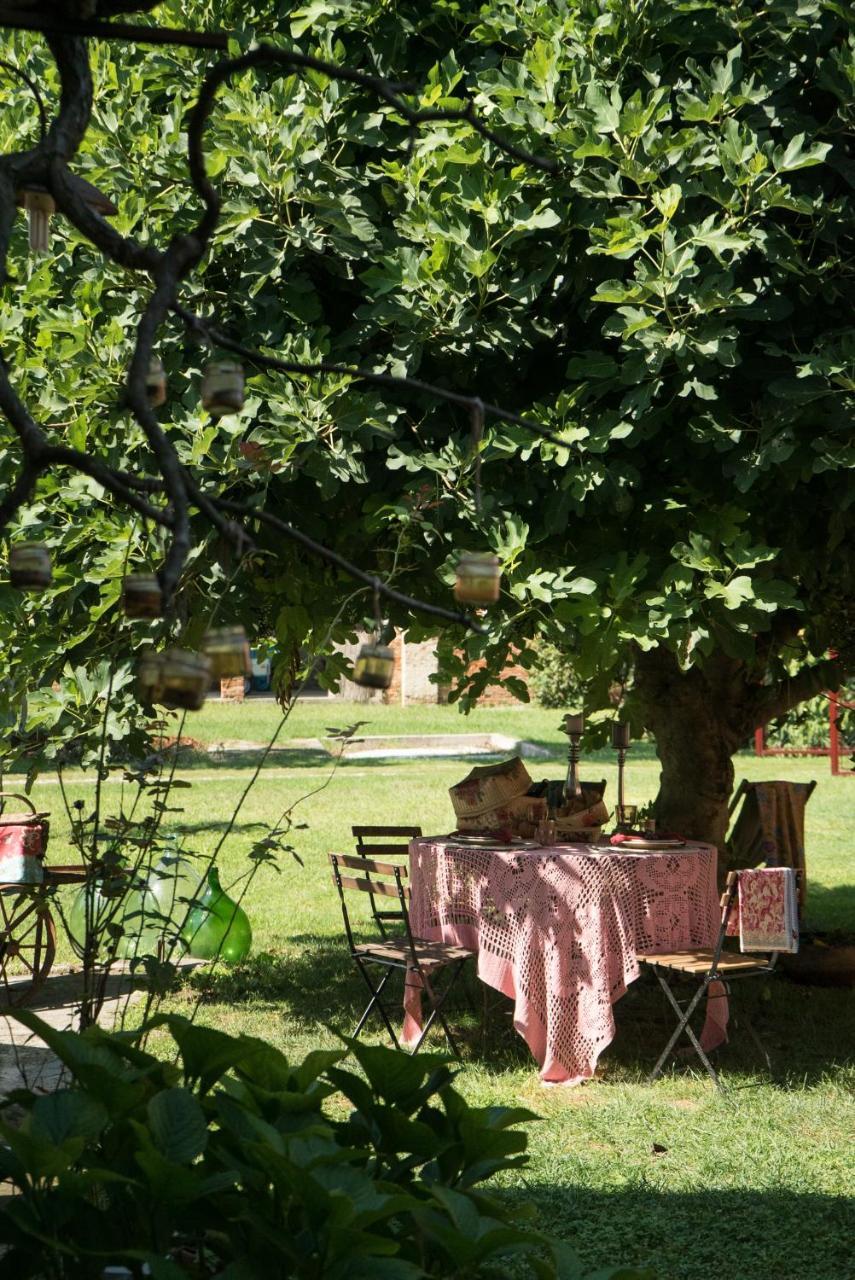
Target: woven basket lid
x,y
488,786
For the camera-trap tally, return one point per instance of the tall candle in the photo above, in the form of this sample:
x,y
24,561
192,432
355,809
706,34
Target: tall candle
x,y
620,735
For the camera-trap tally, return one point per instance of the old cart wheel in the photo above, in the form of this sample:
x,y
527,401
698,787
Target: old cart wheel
x,y
27,946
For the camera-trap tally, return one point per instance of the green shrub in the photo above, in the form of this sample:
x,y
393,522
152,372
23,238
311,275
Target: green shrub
x,y
807,724
553,681
233,1163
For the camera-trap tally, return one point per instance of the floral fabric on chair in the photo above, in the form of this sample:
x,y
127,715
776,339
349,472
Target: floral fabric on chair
x,y
766,917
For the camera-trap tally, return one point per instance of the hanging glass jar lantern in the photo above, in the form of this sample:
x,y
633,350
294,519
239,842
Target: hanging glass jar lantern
x,y
228,651
479,576
40,204
142,596
374,666
29,566
185,679
222,388
155,383
149,676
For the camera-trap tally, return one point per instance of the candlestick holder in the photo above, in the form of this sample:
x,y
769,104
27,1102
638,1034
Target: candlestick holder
x,y
621,743
573,726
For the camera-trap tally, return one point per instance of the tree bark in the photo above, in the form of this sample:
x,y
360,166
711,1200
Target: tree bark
x,y
691,715
700,718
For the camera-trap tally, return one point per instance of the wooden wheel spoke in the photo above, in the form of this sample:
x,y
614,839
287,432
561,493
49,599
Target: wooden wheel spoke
x,y
35,927
28,948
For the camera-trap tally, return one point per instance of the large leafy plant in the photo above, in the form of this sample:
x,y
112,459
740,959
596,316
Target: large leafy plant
x,y
233,1162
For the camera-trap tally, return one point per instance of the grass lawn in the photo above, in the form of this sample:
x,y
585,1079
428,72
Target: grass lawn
x,y
752,1187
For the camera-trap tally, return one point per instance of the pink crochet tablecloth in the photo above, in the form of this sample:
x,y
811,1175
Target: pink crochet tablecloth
x,y
557,930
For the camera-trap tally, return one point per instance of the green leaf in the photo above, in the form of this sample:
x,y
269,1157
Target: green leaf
x,y
605,109
668,200
795,156
178,1125
66,1114
734,593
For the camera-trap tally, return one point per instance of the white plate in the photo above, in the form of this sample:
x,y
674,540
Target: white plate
x,y
488,842
639,843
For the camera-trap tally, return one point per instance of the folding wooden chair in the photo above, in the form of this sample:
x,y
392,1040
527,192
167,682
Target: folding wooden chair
x,y
385,842
419,960
717,965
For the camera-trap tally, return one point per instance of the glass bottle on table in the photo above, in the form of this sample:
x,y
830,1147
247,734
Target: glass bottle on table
x,y
546,831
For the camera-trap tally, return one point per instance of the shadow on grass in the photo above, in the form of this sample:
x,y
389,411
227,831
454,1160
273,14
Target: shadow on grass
x,y
734,1234
807,1031
831,912
193,828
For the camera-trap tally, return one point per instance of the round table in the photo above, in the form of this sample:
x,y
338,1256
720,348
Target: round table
x,y
557,929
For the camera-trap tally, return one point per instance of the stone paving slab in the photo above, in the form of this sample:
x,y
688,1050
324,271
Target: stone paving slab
x,y
25,1060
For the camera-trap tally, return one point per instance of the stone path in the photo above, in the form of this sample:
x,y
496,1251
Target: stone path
x,y
25,1059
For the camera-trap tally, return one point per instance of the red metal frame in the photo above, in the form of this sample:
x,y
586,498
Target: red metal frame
x,y
835,702
834,748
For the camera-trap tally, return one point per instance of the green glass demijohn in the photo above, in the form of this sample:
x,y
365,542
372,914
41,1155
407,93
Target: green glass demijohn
x,y
138,915
217,927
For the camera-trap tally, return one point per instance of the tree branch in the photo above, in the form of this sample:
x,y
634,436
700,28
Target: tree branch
x,y
393,381
47,165
776,700
332,557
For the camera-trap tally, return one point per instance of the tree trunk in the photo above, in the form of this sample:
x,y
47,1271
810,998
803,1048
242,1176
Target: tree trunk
x,y
693,717
700,718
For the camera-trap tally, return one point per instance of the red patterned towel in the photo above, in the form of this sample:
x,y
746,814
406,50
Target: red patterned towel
x,y
768,917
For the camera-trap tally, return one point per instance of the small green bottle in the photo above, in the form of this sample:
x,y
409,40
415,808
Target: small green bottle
x,y
217,927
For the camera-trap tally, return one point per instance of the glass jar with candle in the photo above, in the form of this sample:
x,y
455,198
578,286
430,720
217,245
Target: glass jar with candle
x,y
374,666
155,383
185,679
222,388
228,651
29,566
479,576
142,596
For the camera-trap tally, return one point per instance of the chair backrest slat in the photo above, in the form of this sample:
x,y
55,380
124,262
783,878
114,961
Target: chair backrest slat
x,y
356,862
372,886
384,841
411,832
382,850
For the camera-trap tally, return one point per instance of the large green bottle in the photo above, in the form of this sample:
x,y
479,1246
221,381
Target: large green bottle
x,y
217,926
134,910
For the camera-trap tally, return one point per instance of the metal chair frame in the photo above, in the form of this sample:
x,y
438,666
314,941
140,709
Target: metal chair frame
x,y
684,1010
395,955
384,842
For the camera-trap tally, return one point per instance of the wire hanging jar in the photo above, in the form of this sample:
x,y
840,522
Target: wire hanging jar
x,y
142,596
227,648
30,566
374,666
185,679
149,676
479,576
40,205
222,388
155,383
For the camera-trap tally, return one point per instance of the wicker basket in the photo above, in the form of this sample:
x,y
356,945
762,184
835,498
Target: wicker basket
x,y
491,795
585,824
